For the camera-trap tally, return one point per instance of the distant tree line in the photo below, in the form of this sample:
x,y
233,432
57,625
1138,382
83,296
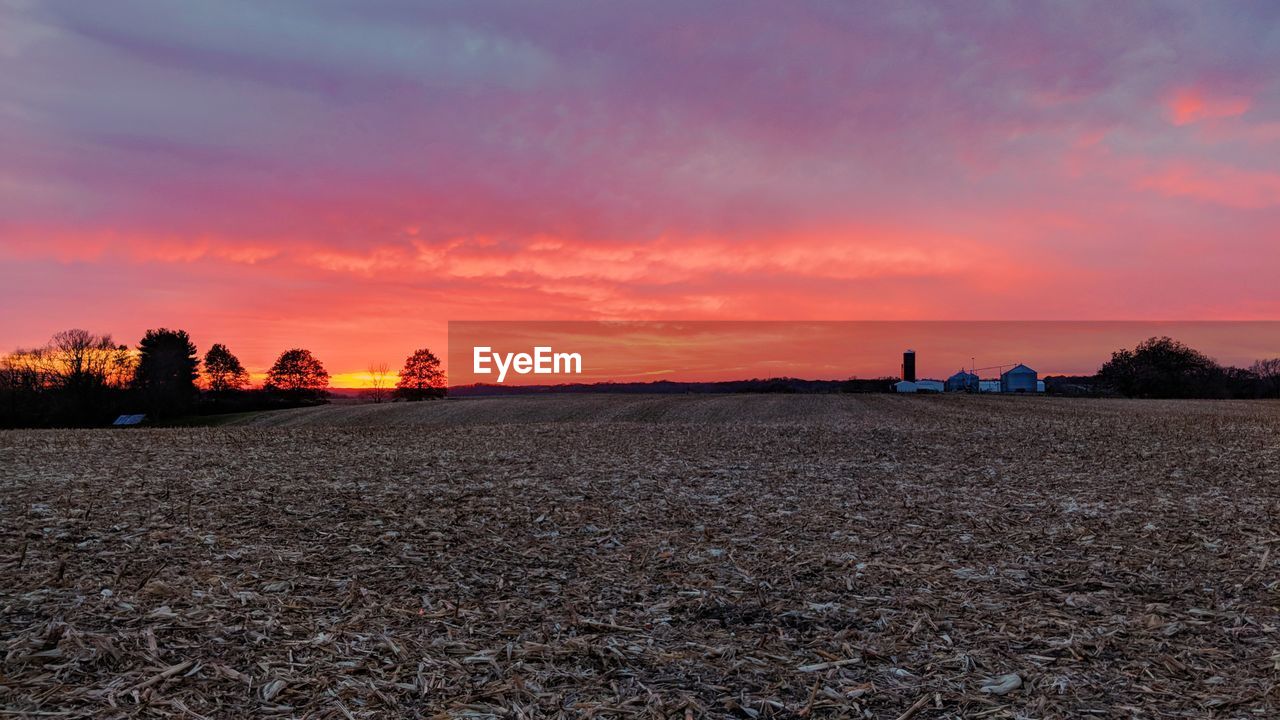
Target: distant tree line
x,y
1162,367
1157,368
79,378
82,379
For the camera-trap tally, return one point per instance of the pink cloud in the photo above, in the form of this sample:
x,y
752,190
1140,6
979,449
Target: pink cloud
x,y
1194,104
1219,184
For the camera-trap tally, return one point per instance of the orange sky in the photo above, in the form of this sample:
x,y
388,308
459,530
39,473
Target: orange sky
x,y
349,180
639,351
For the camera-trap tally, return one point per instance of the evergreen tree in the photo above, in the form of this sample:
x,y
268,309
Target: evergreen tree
x,y
167,369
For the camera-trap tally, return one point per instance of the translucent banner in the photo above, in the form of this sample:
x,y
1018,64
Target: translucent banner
x,y
519,353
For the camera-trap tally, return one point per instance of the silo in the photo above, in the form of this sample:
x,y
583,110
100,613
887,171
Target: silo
x,y
1018,378
909,366
962,382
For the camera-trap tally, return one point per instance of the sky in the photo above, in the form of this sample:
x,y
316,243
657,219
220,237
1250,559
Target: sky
x,y
348,177
699,351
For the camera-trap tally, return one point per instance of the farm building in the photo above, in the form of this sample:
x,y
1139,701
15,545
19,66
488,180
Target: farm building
x,y
1018,378
919,386
962,382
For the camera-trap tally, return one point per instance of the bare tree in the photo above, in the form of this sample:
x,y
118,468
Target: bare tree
x,y
76,378
379,381
22,384
1268,371
78,359
26,368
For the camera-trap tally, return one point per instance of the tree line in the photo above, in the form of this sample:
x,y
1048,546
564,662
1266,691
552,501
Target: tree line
x,y
79,378
1161,367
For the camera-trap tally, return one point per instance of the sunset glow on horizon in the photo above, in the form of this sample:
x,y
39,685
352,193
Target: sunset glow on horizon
x,y
349,177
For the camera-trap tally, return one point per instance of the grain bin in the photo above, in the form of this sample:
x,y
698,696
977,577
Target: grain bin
x,y
962,382
1018,378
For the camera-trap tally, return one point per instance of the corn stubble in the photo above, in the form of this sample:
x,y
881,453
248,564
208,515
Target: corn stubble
x,y
874,557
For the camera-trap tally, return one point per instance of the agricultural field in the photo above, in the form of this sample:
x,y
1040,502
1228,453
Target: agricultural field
x,y
650,557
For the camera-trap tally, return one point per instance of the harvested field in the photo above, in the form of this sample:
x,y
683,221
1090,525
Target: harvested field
x,y
641,557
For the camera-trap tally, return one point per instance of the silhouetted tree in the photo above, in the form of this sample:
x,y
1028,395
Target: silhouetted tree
x,y
223,371
1163,368
378,375
77,378
298,374
421,377
168,366
78,359
1268,374
22,388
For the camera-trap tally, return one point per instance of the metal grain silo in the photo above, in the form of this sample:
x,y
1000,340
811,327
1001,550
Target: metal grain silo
x,y
1018,378
909,366
962,382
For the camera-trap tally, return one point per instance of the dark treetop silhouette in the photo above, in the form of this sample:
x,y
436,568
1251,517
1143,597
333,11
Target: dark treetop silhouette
x,y
168,365
223,371
298,372
421,377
